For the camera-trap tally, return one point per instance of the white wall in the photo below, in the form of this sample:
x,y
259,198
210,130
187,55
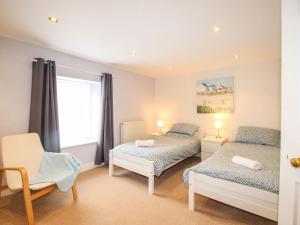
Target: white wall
x,y
256,98
133,94
257,93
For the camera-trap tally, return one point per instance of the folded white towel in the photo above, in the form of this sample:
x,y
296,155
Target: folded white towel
x,y
144,143
249,163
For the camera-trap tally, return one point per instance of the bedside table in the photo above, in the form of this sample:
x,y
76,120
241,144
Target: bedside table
x,y
211,144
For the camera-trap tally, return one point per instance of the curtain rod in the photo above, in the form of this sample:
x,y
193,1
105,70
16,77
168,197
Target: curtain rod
x,y
34,60
71,68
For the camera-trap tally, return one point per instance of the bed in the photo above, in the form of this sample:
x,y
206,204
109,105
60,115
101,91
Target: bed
x,y
169,149
255,191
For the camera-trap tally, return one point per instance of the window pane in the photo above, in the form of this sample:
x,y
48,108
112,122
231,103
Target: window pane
x,y
79,111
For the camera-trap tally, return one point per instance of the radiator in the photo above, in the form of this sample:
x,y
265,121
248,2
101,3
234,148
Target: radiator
x,y
133,130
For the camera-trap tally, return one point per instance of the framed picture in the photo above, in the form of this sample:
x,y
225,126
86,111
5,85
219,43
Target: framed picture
x,y
215,95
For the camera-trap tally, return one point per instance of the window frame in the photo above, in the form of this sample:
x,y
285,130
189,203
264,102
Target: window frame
x,y
93,84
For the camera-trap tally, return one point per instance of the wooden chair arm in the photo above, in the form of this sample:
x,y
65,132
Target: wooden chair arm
x,y
21,170
26,190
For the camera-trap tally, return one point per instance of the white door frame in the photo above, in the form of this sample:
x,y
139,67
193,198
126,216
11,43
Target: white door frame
x,y
290,113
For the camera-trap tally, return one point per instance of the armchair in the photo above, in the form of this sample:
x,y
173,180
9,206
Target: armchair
x,y
21,158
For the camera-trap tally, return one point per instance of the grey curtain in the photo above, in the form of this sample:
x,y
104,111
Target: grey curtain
x,y
106,140
43,108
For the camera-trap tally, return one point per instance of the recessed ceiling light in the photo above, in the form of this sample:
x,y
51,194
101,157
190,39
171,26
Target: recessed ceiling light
x,y
236,56
216,29
170,68
53,19
133,52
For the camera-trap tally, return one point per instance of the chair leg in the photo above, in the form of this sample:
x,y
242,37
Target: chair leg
x,y
28,206
74,191
26,191
27,197
1,177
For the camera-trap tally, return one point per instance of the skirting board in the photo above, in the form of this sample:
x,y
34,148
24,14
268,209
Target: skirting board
x,y
85,167
88,166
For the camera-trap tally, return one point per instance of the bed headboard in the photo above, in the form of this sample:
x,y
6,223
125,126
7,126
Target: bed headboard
x,y
132,130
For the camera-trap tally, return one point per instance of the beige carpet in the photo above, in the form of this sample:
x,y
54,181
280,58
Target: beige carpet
x,y
123,200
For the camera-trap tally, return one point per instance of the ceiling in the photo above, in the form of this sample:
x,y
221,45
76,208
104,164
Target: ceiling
x,y
169,37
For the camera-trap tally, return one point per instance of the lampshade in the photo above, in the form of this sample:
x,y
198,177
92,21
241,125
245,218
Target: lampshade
x,y
218,124
160,123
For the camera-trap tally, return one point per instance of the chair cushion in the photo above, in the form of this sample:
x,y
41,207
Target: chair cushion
x,y
39,186
23,150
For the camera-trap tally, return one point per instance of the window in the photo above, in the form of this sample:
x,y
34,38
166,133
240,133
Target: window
x,y
78,110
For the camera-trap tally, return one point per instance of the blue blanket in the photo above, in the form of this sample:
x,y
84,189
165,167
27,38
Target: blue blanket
x,y
59,168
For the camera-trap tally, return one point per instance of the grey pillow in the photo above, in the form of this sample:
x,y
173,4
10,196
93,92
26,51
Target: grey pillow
x,y
184,128
257,135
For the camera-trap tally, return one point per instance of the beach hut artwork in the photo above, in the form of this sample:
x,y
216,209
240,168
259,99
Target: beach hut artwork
x,y
215,95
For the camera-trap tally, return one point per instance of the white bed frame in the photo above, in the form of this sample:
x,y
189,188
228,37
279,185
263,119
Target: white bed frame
x,y
138,165
135,164
132,130
254,200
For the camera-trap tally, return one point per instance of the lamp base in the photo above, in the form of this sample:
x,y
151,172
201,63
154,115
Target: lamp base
x,y
218,136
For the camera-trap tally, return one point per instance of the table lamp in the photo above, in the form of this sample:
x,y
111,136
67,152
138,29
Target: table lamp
x,y
160,124
218,125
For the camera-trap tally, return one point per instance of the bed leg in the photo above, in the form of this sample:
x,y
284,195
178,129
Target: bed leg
x,y
111,164
151,184
191,191
191,199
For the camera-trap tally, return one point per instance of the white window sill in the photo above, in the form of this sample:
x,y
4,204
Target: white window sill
x,y
88,142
